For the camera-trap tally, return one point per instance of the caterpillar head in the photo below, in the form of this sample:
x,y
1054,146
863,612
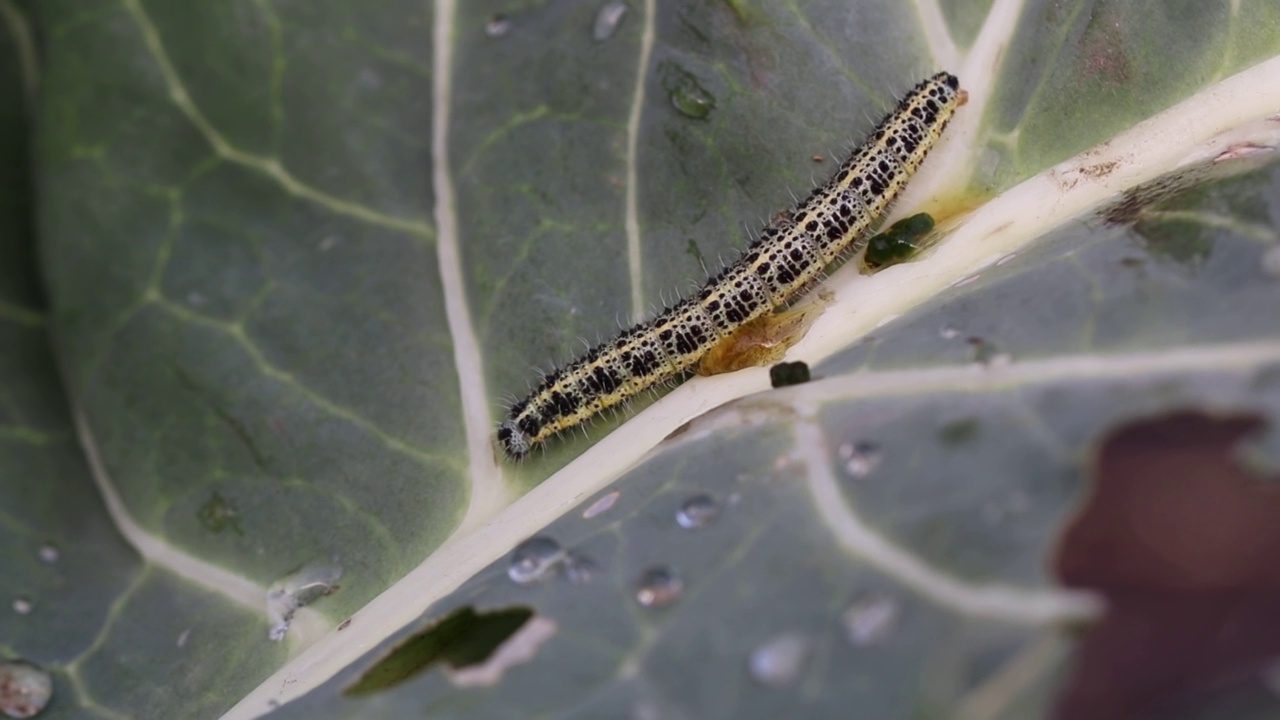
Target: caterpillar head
x,y
514,442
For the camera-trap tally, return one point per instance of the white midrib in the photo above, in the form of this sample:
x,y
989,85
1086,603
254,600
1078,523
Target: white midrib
x,y
487,491
635,258
977,70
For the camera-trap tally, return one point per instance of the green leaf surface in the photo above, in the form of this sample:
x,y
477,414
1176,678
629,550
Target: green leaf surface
x,y
270,273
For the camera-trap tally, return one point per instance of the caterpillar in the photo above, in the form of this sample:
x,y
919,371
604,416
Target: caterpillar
x,y
789,255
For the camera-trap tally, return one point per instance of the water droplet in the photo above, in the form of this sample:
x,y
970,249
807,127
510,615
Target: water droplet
x,y
686,93
870,619
298,589
949,333
23,605
25,689
602,505
533,559
861,458
1271,261
608,19
49,553
659,587
778,662
698,512
497,26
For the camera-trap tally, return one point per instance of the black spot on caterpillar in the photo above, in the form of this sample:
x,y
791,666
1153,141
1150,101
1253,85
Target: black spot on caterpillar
x,y
790,254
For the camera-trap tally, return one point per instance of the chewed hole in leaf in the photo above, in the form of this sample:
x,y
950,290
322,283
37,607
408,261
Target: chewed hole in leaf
x,y
475,648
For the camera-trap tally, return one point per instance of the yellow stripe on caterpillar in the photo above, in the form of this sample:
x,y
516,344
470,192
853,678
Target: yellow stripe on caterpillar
x,y
790,254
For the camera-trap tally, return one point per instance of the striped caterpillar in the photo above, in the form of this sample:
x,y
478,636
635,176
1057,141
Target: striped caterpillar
x,y
790,254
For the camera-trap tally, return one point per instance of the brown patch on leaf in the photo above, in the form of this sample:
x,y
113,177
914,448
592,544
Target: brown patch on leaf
x,y
1183,543
1103,49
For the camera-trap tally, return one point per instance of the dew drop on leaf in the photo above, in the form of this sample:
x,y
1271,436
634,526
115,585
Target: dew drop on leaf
x,y
49,554
686,93
870,619
23,605
659,587
779,662
24,689
497,26
698,512
602,505
608,19
533,559
861,458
